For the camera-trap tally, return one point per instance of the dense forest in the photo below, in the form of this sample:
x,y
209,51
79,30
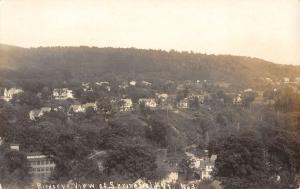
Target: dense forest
x,y
257,144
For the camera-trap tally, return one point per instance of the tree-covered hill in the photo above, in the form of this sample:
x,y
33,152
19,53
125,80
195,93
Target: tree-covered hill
x,y
91,63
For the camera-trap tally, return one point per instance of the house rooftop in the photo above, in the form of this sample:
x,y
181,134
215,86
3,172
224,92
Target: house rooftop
x,y
36,155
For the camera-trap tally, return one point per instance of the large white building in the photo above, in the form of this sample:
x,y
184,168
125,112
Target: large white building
x,y
41,167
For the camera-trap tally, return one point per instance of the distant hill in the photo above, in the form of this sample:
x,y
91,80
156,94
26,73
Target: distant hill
x,y
92,63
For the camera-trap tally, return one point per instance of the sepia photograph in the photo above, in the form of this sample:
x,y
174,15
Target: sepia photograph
x,y
149,94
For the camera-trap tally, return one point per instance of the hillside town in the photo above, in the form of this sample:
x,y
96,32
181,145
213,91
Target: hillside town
x,y
186,95
114,99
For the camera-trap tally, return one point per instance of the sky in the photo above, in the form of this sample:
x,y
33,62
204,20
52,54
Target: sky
x,y
267,29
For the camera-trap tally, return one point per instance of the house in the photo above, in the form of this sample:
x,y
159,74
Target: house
x,y
162,97
183,104
238,99
77,108
207,166
1,141
14,147
126,104
123,86
8,94
86,87
203,165
33,114
207,171
104,84
132,83
83,107
63,94
196,162
200,98
149,102
41,167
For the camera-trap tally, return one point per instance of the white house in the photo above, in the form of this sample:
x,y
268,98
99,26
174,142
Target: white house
x,y
102,83
77,108
33,114
204,165
126,104
163,96
123,86
200,97
149,102
238,99
63,94
86,87
14,147
184,103
82,107
196,162
207,169
132,83
8,94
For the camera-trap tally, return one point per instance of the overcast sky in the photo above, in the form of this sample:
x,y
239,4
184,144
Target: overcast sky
x,y
268,29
